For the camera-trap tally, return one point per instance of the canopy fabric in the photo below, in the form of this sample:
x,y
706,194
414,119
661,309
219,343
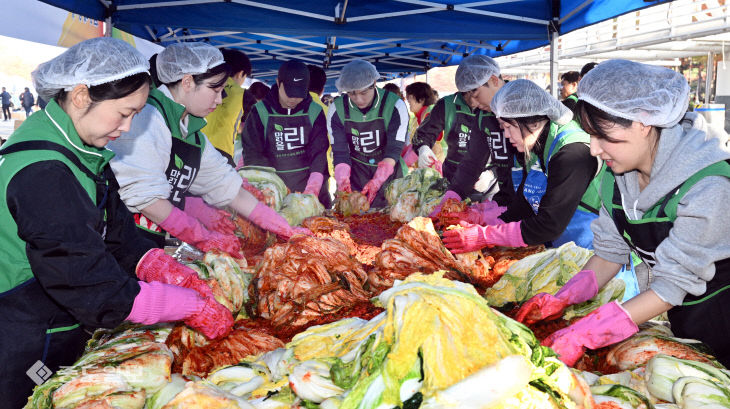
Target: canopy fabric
x,y
398,36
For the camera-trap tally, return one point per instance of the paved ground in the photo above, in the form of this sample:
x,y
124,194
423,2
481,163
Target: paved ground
x,y
7,127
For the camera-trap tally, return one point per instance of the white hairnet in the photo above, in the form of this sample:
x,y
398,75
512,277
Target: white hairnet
x,y
92,62
474,71
521,98
356,75
179,59
652,95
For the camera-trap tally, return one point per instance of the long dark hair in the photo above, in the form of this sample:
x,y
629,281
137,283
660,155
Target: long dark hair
x,y
112,90
596,121
527,124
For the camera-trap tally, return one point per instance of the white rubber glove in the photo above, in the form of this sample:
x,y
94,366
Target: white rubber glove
x,y
426,157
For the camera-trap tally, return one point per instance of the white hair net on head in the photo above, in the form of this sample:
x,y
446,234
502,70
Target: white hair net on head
x,y
356,75
92,62
179,59
652,95
474,71
521,98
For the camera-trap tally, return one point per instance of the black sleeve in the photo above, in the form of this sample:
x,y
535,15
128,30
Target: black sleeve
x,y
253,140
472,164
397,129
318,145
570,103
431,127
123,239
570,172
58,221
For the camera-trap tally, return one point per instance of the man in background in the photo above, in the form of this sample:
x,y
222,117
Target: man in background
x,y
5,96
569,82
222,127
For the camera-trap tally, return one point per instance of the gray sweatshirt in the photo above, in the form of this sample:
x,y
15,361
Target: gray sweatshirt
x,y
143,153
701,234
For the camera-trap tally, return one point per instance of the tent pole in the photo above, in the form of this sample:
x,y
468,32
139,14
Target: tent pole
x,y
109,27
554,63
708,76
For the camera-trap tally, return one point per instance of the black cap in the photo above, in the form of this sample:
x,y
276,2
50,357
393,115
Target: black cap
x,y
295,77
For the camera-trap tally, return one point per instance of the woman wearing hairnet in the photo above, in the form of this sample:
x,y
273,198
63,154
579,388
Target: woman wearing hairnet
x,y
665,197
554,178
368,128
165,164
71,255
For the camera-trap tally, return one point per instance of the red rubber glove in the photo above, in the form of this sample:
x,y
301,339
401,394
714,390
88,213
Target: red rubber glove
x,y
212,218
605,326
266,218
480,213
582,287
190,230
473,237
155,265
342,177
213,320
371,189
450,194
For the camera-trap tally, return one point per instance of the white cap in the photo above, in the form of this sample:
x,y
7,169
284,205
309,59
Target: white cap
x,y
179,59
474,71
652,95
522,98
92,62
356,75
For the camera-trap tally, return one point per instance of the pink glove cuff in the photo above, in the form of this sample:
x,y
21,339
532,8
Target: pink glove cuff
x,y
508,234
158,302
342,171
581,288
342,177
410,157
266,218
183,226
314,183
620,326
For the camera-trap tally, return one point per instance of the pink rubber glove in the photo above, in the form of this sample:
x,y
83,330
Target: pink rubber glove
x,y
606,325
450,194
213,320
266,218
212,218
239,165
371,189
190,230
342,177
582,287
410,157
155,265
158,302
473,237
314,184
479,213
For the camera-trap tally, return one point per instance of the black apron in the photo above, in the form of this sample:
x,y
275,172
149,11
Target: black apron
x,y
287,139
367,142
702,317
41,334
463,126
185,158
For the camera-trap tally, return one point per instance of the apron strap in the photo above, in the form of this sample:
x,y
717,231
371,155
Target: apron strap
x,y
102,188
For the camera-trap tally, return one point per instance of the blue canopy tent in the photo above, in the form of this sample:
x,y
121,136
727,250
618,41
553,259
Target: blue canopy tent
x,y
398,36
